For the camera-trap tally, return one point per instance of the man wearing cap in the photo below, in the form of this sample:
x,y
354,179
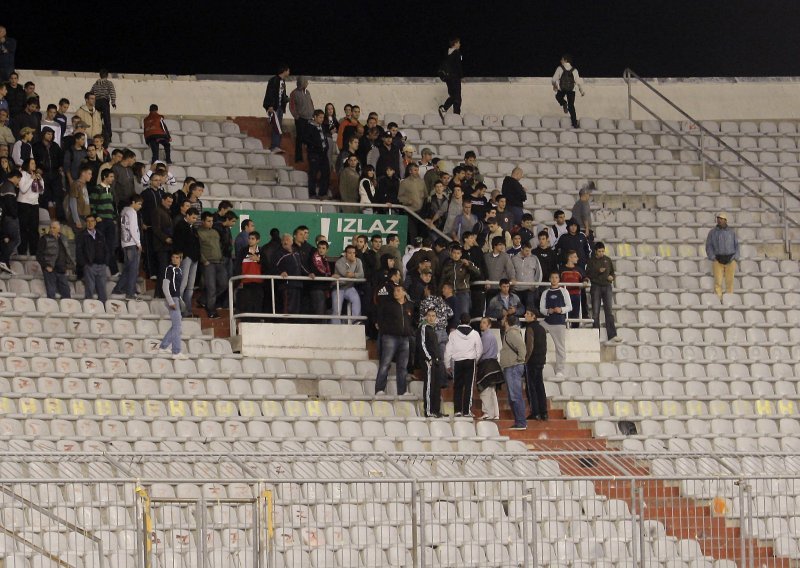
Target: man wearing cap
x,y
722,249
389,156
425,164
302,108
582,211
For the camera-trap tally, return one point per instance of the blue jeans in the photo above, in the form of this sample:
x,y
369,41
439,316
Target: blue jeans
x,y
463,305
173,335
349,294
516,400
94,281
130,270
56,282
276,137
393,348
189,269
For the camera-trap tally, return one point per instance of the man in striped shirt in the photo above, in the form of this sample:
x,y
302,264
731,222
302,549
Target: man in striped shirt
x,y
105,94
101,200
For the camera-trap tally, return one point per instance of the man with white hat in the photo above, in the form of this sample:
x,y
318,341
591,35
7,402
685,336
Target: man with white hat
x,y
722,248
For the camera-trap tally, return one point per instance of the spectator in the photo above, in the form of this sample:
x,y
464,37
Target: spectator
x,y
436,207
196,190
250,262
100,145
451,72
505,303
8,51
288,262
459,273
464,349
214,272
516,246
435,173
105,95
565,79
366,187
348,266
28,118
182,194
425,164
317,146
301,106
349,181
372,257
101,200
73,157
61,119
489,374
171,284
275,100
93,162
389,156
392,248
186,240
449,298
471,160
223,227
527,268
50,160
131,242
573,273
10,218
90,248
156,132
498,263
407,158
49,121
78,197
515,194
30,91
124,188
600,272
556,303
55,260
433,368
116,158
89,114
31,188
23,150
582,210
388,187
722,249
480,205
320,267
350,149
396,328
465,222
527,230
512,360
242,239
422,254
455,207
78,125
496,231
348,126
443,314
15,95
331,127
573,240
368,152
412,194
504,217
6,136
558,229
535,359
3,93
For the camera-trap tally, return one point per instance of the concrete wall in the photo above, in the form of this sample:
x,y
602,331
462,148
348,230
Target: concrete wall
x,y
709,99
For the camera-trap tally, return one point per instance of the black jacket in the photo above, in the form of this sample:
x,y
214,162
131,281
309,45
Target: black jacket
x,y
429,344
49,158
395,318
90,250
292,264
387,189
23,119
388,157
185,240
535,344
513,192
548,259
16,99
576,242
314,138
273,97
8,200
451,66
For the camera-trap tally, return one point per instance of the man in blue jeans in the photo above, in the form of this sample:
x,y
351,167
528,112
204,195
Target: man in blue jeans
x,y
275,100
395,324
131,242
171,285
512,360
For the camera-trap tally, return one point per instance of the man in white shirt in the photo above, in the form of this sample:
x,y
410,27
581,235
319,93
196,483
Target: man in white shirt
x,y
130,238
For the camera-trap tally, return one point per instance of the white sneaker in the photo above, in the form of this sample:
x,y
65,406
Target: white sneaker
x,y
617,339
164,351
4,268
380,393
180,356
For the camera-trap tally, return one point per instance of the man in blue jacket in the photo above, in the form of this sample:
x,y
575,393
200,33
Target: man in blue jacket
x,y
722,249
556,304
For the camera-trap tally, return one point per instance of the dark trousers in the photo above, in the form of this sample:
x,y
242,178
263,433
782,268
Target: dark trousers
x,y
153,142
463,379
10,231
289,299
250,299
603,294
56,282
104,106
318,167
215,281
108,228
28,228
579,307
298,139
53,197
534,384
432,389
570,100
453,95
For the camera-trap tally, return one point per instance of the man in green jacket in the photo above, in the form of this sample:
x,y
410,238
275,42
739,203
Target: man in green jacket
x,y
600,271
214,273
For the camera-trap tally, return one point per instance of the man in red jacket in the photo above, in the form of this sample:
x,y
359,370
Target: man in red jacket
x,y
155,133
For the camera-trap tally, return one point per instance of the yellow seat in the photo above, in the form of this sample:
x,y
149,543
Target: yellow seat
x,y
719,408
130,408
54,406
742,408
338,408
154,408
382,408
576,410
624,249
315,408
645,250
7,406
79,407
201,408
405,409
696,408
646,408
623,409
360,408
598,409
666,250
271,408
28,405
103,407
249,408
671,408
787,407
687,251
765,408
295,408
225,408
178,408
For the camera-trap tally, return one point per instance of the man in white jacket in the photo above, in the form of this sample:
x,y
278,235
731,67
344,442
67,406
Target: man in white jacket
x,y
464,348
131,242
565,79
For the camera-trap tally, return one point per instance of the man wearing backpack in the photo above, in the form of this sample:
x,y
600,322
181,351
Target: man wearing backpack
x,y
450,72
565,79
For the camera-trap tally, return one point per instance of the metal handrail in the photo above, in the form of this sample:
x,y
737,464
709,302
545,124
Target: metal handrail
x,y
232,317
629,74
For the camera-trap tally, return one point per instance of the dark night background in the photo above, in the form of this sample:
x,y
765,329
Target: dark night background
x,y
662,38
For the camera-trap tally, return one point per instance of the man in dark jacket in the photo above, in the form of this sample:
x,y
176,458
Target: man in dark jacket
x,y
459,273
30,117
275,100
389,156
600,272
515,194
573,240
50,159
187,241
317,146
433,365
451,73
9,217
288,262
396,327
535,359
55,260
90,248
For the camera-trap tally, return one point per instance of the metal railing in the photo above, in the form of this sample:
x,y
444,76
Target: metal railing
x,y
272,278
782,210
515,284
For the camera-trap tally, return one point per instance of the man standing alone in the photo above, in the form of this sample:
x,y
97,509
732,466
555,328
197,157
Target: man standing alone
x,y
451,72
722,249
302,108
275,100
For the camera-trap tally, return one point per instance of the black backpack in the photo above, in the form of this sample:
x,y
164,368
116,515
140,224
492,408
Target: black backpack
x,y
566,82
